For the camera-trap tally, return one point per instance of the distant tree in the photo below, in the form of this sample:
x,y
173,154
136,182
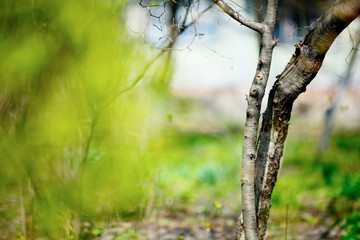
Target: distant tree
x,y
263,147
342,88
171,18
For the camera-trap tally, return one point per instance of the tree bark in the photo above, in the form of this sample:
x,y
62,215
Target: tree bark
x,y
261,155
299,72
248,223
254,100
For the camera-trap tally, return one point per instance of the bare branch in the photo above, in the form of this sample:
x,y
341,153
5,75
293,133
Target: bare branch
x,y
146,68
254,99
96,112
238,17
270,20
299,72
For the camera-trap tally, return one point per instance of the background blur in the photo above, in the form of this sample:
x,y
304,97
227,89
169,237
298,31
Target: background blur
x,y
106,136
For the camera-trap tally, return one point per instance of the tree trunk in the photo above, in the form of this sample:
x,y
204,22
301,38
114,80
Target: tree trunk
x,y
248,225
254,100
299,72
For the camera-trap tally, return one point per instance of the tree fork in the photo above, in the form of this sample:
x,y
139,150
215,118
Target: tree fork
x,y
299,72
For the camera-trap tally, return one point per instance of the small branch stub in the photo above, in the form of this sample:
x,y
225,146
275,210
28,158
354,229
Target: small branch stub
x,y
259,76
276,41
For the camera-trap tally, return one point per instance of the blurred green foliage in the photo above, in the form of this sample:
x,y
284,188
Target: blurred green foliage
x,y
75,145
351,226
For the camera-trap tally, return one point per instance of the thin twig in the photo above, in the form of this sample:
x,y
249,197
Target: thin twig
x,y
238,17
146,68
22,211
133,83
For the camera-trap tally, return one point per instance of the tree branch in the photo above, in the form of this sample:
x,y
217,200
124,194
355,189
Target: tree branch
x,y
148,65
254,99
270,18
271,11
299,72
133,83
238,17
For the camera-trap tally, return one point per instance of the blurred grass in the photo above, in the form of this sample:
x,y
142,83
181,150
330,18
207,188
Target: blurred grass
x,y
205,166
319,178
316,189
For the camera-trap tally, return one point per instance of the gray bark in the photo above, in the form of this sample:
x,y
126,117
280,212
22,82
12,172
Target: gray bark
x,y
248,225
260,166
299,72
254,100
